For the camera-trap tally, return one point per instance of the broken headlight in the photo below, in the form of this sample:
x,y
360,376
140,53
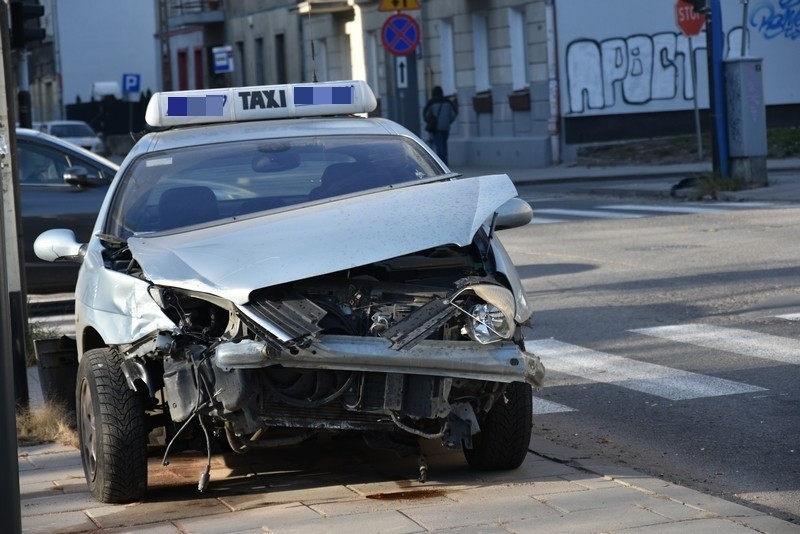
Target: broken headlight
x,y
493,319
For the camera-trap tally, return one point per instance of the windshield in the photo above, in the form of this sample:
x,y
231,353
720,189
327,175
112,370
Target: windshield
x,y
201,184
72,130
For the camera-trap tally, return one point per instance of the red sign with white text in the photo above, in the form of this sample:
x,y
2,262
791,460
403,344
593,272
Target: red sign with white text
x,y
690,22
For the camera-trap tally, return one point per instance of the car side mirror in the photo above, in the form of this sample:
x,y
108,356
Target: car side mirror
x,y
79,177
514,213
59,245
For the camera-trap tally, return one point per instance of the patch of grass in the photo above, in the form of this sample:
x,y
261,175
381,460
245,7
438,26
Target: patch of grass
x,y
783,142
709,184
52,423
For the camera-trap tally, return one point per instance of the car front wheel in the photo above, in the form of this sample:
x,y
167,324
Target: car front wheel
x,y
505,432
111,429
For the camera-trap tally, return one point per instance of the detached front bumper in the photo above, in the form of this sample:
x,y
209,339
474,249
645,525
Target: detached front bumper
x,y
500,362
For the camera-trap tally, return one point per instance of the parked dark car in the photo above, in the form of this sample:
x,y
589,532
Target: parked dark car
x,y
61,185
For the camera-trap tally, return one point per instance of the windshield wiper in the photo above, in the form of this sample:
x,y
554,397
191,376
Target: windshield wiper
x,y
112,241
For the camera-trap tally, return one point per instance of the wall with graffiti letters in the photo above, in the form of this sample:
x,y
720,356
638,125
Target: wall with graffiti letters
x,y
629,56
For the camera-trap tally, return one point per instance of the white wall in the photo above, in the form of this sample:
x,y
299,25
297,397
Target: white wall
x,y
100,40
629,56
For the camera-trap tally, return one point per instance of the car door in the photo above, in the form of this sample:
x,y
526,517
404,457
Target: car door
x,y
47,202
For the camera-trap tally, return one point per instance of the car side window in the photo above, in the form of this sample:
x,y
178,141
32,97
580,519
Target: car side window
x,y
38,165
42,165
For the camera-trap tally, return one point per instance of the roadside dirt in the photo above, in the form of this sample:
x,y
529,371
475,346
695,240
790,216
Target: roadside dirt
x,y
781,143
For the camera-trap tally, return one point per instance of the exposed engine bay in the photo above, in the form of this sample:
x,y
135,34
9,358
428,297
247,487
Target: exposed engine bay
x,y
411,346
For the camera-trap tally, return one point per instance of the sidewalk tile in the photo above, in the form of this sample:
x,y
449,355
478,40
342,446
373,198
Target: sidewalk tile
x,y
270,497
491,512
706,526
596,520
56,504
271,517
63,523
361,505
158,508
595,499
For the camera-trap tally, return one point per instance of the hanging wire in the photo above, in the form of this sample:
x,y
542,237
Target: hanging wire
x,y
311,38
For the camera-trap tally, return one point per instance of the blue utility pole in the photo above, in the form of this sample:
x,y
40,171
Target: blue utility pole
x,y
715,44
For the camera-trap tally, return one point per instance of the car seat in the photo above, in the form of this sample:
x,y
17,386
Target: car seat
x,y
185,206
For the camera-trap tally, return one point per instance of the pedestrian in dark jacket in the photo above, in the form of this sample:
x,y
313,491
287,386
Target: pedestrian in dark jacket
x,y
439,114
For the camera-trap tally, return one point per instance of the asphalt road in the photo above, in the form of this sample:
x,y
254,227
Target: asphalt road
x,y
668,346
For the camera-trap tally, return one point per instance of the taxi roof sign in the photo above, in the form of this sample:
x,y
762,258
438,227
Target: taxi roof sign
x,y
263,102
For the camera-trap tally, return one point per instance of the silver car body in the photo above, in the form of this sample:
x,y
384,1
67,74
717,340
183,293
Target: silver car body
x,y
393,303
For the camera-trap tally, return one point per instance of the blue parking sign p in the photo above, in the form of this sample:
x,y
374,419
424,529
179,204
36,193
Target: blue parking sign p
x,y
131,83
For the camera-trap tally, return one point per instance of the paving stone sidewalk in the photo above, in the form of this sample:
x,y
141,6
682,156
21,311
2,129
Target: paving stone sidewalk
x,y
339,485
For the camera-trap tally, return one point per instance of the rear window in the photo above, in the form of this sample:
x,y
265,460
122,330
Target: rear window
x,y
201,184
72,130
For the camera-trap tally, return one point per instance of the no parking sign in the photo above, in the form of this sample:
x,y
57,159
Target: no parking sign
x,y
400,34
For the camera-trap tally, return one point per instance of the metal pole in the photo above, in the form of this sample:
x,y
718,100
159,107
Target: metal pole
x,y
553,122
24,95
715,40
745,31
720,102
693,63
9,468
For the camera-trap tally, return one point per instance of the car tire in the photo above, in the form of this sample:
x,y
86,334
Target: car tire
x,y
505,432
114,458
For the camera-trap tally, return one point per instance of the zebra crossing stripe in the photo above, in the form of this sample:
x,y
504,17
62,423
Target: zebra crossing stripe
x,y
658,380
790,316
587,213
537,220
738,341
544,406
663,209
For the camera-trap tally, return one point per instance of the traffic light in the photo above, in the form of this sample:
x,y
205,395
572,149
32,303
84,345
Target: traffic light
x,y
25,23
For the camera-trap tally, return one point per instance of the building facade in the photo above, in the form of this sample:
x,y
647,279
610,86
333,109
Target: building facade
x,y
489,57
532,79
85,48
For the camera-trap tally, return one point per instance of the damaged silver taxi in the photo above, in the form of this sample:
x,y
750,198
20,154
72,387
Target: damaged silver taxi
x,y
268,264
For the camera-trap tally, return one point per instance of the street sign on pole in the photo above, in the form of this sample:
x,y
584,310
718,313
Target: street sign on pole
x,y
223,59
400,34
399,5
401,75
689,21
131,83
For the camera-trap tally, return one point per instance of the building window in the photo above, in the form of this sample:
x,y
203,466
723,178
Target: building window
x,y
480,46
516,36
447,57
280,59
183,70
199,69
372,62
239,68
259,57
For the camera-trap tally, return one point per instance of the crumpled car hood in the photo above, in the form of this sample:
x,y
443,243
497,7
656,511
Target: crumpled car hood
x,y
234,258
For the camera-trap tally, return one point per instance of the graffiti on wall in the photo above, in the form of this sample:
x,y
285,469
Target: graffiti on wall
x,y
638,61
633,70
781,20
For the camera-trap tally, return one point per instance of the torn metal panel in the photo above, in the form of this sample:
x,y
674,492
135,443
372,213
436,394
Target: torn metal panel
x,y
231,259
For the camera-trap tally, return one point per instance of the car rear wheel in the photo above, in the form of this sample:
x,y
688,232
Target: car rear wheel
x,y
111,429
505,432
